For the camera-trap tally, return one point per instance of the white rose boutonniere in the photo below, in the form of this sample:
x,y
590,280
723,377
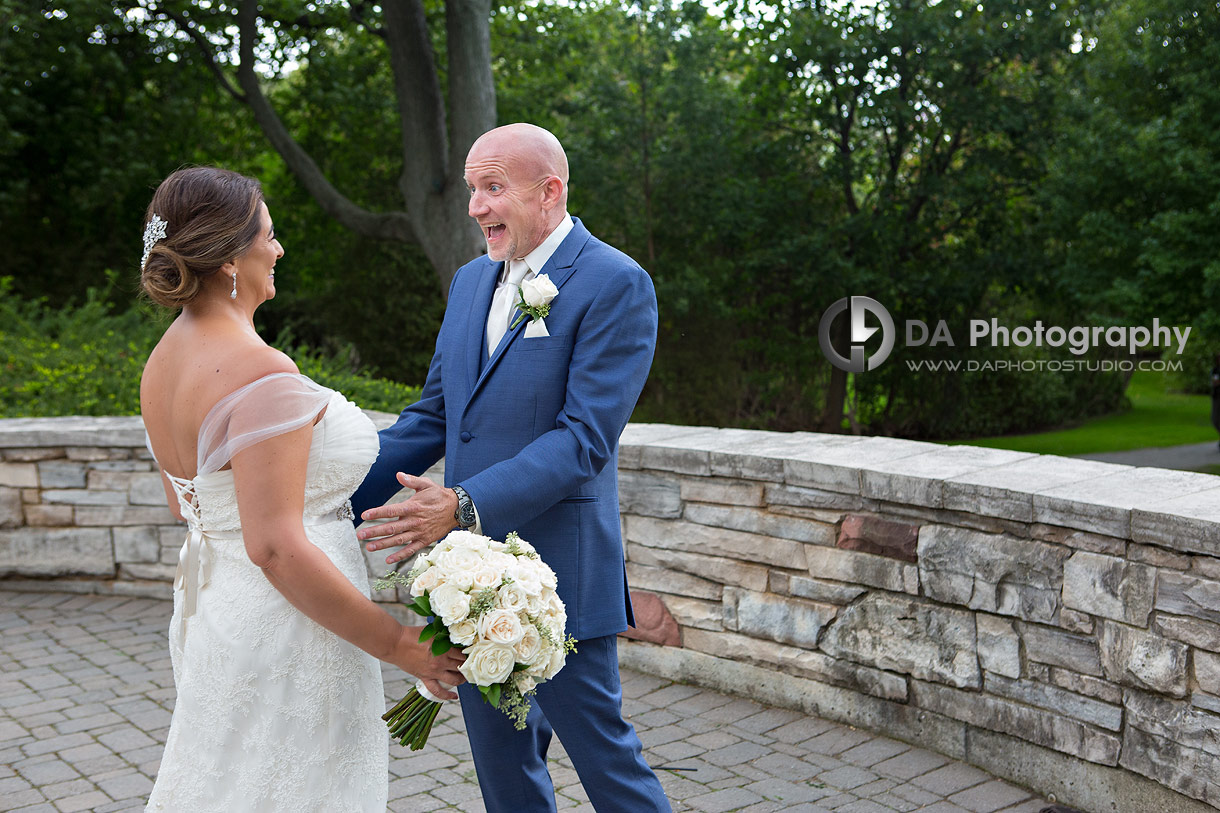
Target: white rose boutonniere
x,y
535,301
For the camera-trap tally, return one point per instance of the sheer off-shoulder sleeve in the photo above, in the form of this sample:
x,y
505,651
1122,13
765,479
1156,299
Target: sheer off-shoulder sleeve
x,y
262,409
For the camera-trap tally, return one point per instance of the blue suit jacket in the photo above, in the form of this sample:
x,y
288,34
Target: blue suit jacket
x,y
532,433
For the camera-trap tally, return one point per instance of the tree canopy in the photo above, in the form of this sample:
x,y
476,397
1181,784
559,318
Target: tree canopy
x,y
952,160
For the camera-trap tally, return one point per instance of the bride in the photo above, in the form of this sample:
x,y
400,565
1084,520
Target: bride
x,y
274,640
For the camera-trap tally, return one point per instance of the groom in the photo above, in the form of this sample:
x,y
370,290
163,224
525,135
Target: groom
x,y
527,416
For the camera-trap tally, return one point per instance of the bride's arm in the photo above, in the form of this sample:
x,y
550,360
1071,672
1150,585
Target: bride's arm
x,y
270,482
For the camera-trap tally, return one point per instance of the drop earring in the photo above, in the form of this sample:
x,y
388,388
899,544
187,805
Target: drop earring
x,y
233,293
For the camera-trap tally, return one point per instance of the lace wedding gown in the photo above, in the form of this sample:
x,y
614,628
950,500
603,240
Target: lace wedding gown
x,y
273,712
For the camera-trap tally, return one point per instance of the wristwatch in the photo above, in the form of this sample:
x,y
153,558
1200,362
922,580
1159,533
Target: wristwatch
x,y
464,515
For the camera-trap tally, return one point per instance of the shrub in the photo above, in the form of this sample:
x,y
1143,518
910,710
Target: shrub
x,y
87,360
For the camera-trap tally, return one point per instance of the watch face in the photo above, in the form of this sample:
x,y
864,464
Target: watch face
x,y
465,509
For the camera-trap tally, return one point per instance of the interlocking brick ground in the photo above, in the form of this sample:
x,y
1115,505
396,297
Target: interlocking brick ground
x,y
86,693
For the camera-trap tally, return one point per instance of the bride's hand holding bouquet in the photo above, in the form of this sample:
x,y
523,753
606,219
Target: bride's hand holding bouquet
x,y
497,602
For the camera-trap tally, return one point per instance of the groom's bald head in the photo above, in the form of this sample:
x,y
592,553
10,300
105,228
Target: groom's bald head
x,y
536,151
518,181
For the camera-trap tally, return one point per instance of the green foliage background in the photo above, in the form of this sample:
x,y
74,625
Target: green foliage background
x,y
952,160
87,360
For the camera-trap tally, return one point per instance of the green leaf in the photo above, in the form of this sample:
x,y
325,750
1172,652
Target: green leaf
x,y
441,645
421,605
493,695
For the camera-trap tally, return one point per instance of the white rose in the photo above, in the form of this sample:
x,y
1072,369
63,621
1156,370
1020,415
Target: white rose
x,y
426,582
464,632
462,580
554,604
540,666
533,606
450,603
555,620
524,682
487,664
512,597
546,576
523,573
459,560
468,541
486,576
500,561
558,659
538,291
529,646
501,627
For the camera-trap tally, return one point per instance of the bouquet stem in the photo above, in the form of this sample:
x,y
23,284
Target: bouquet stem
x,y
410,721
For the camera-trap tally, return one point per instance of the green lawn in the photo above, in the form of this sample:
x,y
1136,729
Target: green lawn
x,y
1156,418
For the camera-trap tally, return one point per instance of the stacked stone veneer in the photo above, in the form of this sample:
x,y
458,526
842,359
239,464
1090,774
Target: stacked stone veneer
x,y
1054,621
82,509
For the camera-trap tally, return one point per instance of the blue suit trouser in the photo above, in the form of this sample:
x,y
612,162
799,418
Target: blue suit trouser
x,y
583,706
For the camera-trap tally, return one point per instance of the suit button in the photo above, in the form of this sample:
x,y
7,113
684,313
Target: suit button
x,y
465,436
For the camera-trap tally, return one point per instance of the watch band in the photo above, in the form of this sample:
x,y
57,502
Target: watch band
x,y
464,516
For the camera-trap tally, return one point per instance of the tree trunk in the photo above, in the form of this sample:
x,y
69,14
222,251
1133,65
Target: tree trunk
x,y
434,144
836,392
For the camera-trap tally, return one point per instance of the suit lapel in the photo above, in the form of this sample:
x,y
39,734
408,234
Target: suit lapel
x,y
559,267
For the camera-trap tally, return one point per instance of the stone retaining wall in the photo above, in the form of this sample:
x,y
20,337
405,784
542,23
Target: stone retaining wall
x,y
1054,621
82,509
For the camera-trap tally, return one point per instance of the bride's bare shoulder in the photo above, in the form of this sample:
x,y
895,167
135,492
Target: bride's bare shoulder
x,y
261,362
189,370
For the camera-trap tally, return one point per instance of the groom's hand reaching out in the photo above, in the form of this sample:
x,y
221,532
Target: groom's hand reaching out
x,y
416,523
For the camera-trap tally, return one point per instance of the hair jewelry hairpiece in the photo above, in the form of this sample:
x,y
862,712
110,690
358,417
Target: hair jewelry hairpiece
x,y
153,232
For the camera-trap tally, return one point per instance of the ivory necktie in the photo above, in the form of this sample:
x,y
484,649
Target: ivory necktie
x,y
502,303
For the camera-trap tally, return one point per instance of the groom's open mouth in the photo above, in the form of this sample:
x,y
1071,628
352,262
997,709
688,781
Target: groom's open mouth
x,y
493,231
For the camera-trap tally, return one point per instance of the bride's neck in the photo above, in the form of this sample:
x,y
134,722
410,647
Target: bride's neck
x,y
228,312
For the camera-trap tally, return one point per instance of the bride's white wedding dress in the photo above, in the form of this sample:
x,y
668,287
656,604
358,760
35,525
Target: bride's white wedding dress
x,y
273,712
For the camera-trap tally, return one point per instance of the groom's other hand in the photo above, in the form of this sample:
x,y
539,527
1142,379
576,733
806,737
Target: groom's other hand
x,y
416,523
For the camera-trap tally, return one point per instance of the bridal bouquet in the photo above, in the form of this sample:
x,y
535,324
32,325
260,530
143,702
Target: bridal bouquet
x,y
495,600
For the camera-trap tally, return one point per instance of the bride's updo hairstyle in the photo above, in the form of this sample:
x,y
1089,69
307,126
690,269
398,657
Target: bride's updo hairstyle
x,y
211,218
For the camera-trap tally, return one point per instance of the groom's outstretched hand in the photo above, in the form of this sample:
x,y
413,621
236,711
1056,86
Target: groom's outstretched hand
x,y
421,520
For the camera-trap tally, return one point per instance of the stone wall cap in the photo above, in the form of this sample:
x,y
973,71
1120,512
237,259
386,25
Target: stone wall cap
x,y
1202,505
74,430
863,452
944,462
98,430
1047,471
642,434
1132,487
782,445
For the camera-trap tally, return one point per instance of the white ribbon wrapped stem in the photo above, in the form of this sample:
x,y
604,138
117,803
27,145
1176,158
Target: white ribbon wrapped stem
x,y
427,695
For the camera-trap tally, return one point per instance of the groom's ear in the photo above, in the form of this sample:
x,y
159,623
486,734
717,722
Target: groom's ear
x,y
552,192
